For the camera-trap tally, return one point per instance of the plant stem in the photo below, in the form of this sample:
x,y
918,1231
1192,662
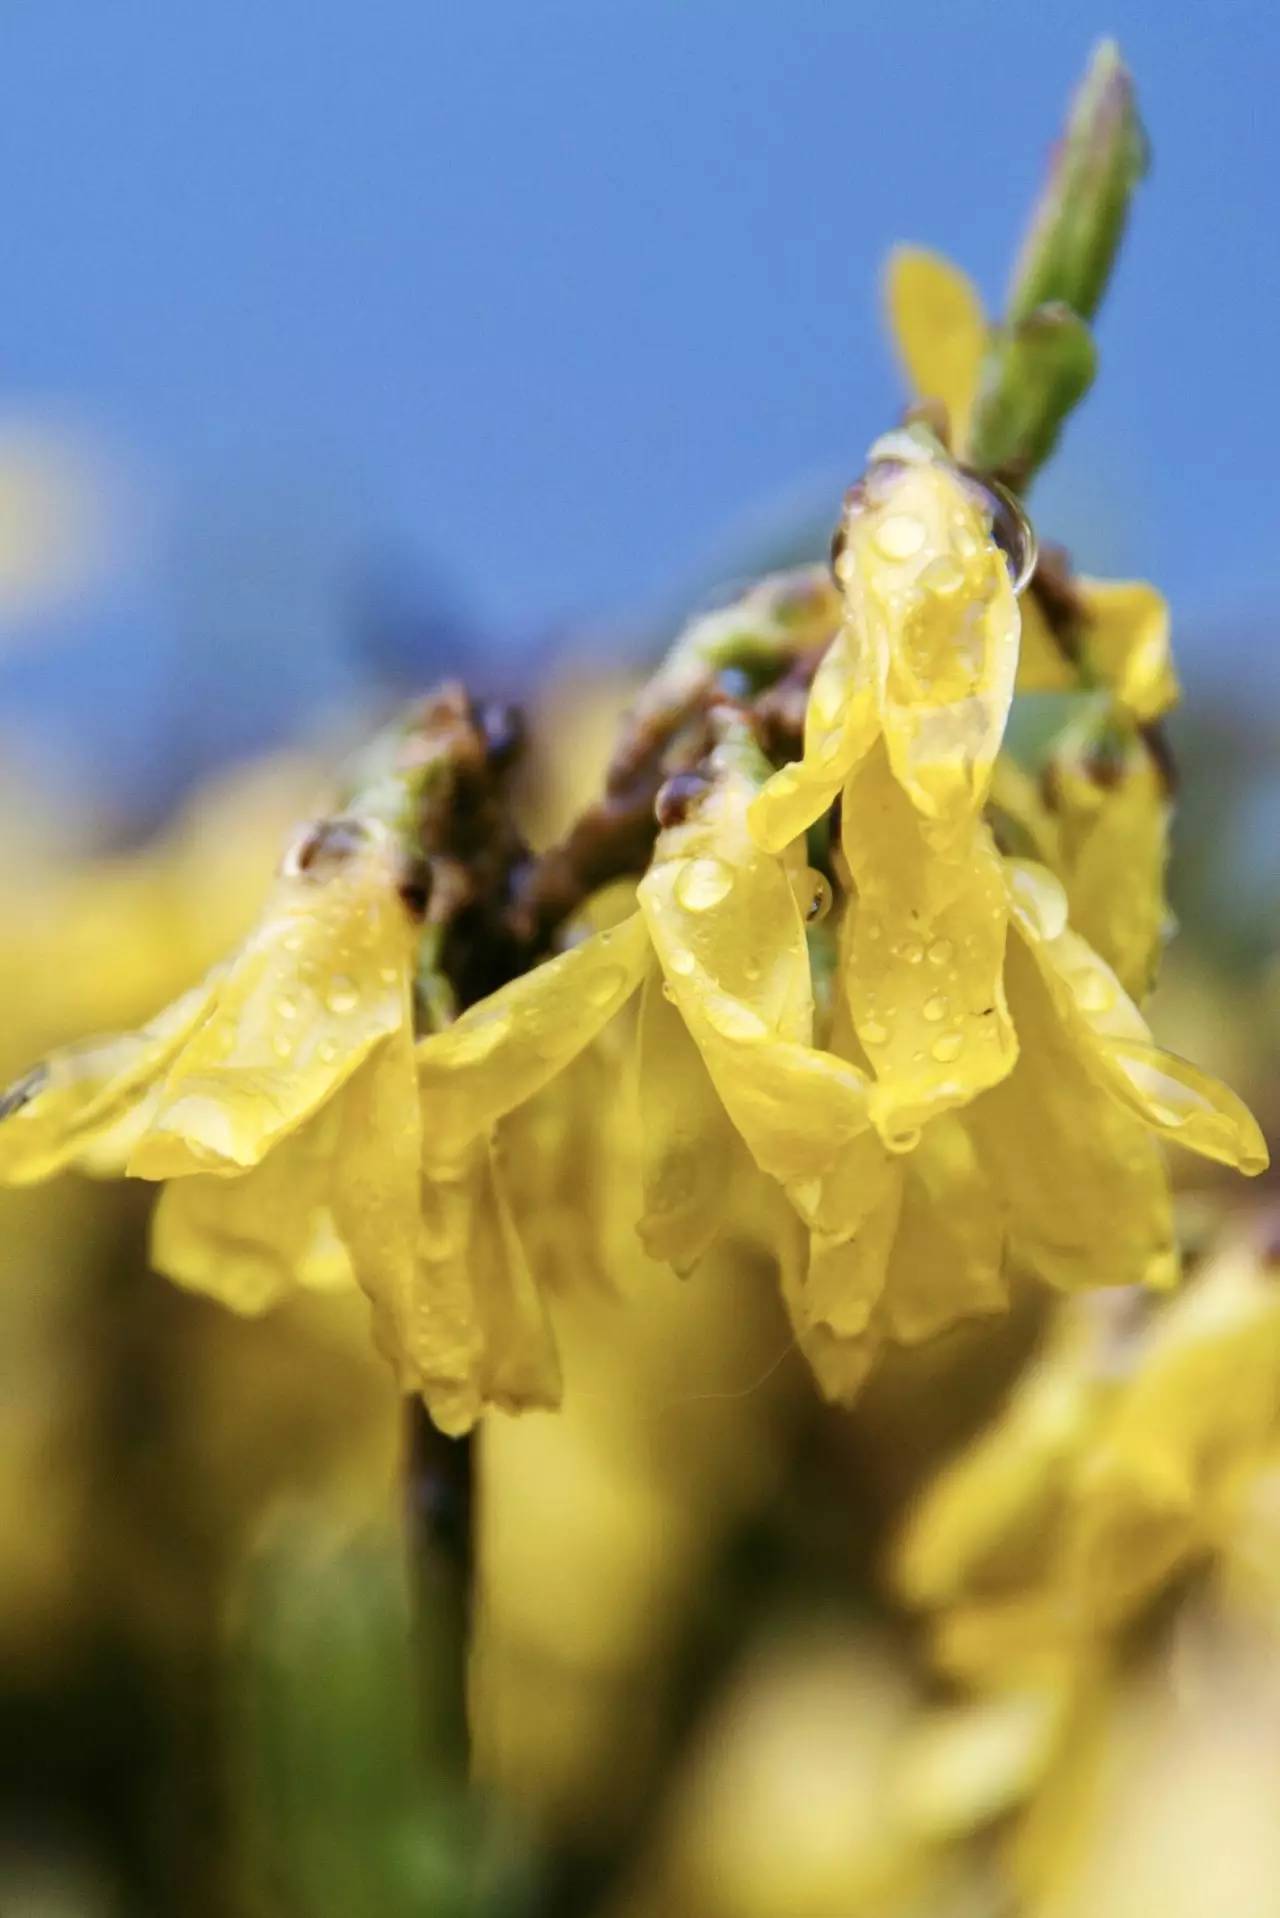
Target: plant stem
x,y
438,1520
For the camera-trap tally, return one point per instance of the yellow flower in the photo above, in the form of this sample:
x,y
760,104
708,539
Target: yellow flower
x,y
302,1136
233,1093
728,928
1124,1456
896,1246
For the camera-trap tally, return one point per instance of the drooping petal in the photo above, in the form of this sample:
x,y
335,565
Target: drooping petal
x,y
87,1104
321,981
557,1158
1120,640
1081,1179
730,939
948,1251
839,728
1127,636
503,1050
253,1240
687,1142
478,1334
376,1194
1112,816
923,963
521,1367
830,1289
1100,1022
939,330
929,591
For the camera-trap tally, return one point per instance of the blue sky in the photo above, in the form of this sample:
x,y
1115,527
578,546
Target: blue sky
x,y
544,311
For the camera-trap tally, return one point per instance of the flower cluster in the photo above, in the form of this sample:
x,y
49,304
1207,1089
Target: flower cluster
x,y
876,978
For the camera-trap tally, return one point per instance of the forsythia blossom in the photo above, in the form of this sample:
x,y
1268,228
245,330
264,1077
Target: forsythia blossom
x,y
887,1025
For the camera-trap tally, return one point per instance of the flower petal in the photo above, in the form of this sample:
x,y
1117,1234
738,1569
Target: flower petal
x,y
948,1252
86,1104
1082,1181
250,1241
1112,816
839,727
322,980
730,939
923,964
1112,1041
504,1049
930,592
1122,642
939,330
688,1145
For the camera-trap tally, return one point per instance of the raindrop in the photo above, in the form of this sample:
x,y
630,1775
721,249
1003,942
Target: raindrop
x,y
605,985
872,1033
948,1047
472,1043
1093,993
940,952
935,1008
819,898
899,536
702,884
734,1020
943,576
682,962
341,995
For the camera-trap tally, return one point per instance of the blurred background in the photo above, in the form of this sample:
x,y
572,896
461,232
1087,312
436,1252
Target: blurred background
x,y
345,346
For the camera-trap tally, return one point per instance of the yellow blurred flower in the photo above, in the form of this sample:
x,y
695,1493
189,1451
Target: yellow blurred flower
x,y
1124,1456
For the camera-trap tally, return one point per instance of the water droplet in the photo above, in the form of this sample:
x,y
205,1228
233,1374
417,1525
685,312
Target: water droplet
x,y
341,995
388,975
287,1007
282,1046
702,884
292,942
935,1008
912,951
872,1033
899,536
943,576
751,969
1039,897
469,1043
668,991
940,952
1093,992
819,897
947,1048
328,1052
734,1020
606,985
902,1139
682,962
